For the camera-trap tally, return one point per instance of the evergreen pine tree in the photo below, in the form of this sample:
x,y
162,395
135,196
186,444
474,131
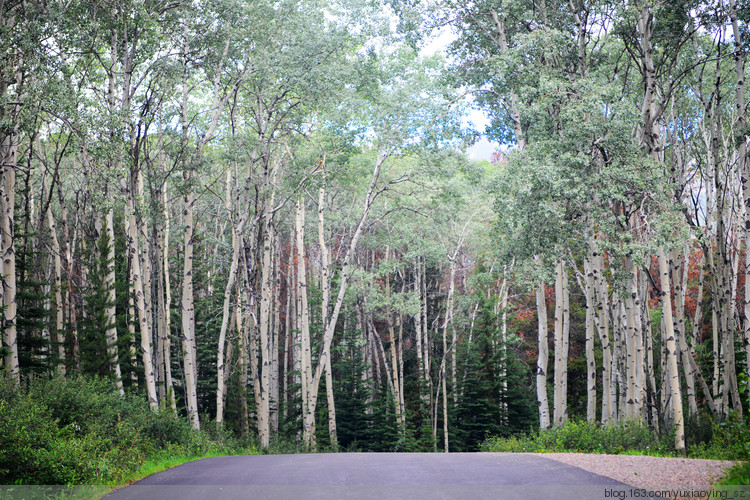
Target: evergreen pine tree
x,y
353,421
94,324
478,413
37,353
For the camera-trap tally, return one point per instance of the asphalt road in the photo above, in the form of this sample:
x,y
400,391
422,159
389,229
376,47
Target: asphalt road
x,y
377,476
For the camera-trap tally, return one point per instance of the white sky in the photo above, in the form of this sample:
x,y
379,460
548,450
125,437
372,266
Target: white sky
x,y
483,149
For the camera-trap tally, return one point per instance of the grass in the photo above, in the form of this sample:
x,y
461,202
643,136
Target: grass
x,y
737,475
728,440
583,437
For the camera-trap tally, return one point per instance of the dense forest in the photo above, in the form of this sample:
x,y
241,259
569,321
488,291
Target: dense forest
x,y
259,214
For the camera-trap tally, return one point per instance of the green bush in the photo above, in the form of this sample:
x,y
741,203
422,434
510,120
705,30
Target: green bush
x,y
584,437
26,429
79,430
738,475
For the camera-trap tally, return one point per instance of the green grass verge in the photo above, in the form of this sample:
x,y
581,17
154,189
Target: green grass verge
x,y
728,440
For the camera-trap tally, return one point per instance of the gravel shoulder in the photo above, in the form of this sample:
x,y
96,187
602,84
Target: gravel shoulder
x,y
652,473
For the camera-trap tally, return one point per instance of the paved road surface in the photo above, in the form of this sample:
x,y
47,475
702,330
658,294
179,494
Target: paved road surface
x,y
376,476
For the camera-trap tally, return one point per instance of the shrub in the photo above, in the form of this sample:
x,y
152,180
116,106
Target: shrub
x,y
79,430
738,475
584,437
26,429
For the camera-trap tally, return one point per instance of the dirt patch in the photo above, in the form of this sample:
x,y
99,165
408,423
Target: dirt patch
x,y
651,473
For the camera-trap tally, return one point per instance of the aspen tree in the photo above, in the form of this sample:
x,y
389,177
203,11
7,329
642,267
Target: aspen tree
x,y
303,315
8,162
590,334
673,375
167,342
219,96
561,345
266,291
131,321
161,313
648,136
425,333
289,324
443,377
147,274
393,349
543,357
243,327
602,323
648,376
124,46
187,305
418,318
59,311
400,353
325,290
743,164
679,283
11,100
131,231
275,333
111,333
69,296
632,342
226,313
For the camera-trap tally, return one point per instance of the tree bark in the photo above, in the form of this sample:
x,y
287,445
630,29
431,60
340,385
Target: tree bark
x,y
8,163
263,406
131,231
226,312
303,316
673,375
167,342
590,334
59,310
543,358
561,345
111,311
325,289
743,165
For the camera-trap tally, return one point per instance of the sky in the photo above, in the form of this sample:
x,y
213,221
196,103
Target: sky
x,y
482,149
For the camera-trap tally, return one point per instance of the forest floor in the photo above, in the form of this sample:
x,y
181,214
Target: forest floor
x,y
690,476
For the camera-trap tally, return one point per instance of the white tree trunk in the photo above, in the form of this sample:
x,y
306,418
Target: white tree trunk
x,y
167,342
303,315
188,308
111,334
131,231
418,322
226,312
325,289
263,406
561,346
673,375
59,311
632,343
743,164
602,324
8,164
543,358
590,334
